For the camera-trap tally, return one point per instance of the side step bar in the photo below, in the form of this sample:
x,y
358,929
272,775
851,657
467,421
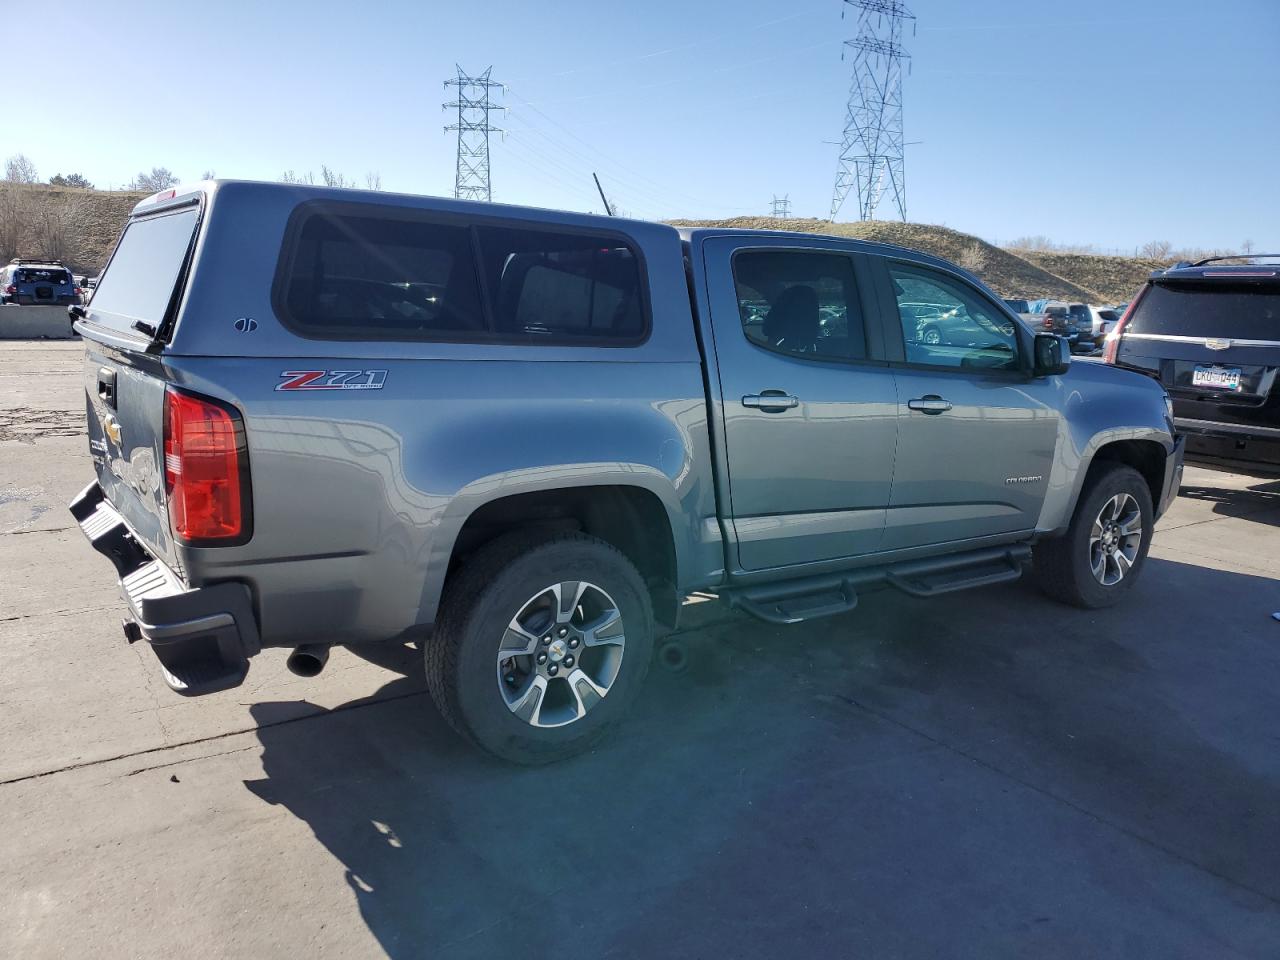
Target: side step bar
x,y
808,598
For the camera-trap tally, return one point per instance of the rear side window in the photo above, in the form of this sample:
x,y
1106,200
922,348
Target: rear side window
x,y
1238,311
800,302
380,277
140,279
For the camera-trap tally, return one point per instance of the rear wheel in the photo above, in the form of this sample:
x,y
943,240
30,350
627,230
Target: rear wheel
x,y
540,646
1098,559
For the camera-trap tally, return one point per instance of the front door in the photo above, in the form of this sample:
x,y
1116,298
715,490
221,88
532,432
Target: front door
x,y
809,422
976,434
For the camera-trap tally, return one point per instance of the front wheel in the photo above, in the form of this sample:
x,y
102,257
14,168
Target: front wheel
x,y
540,646
1099,558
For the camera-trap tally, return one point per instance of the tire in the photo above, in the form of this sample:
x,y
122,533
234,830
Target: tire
x,y
1064,567
487,697
931,336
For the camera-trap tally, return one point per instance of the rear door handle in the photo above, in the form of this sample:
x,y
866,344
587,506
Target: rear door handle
x,y
770,401
930,403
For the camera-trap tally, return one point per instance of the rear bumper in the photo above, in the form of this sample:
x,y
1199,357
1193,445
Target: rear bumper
x,y
1231,445
202,636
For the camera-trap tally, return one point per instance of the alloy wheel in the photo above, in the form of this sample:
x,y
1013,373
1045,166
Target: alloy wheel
x,y
560,654
1115,539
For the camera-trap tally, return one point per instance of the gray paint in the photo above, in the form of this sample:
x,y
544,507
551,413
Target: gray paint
x,y
359,496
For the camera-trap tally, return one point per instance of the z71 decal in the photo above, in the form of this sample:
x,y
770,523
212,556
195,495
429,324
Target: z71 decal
x,y
332,379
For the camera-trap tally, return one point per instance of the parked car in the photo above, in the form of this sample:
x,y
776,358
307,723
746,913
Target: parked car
x,y
527,470
28,282
1210,333
1018,306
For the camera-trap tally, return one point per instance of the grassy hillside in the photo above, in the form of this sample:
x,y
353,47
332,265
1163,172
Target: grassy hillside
x,y
81,226
1009,274
77,226
1116,278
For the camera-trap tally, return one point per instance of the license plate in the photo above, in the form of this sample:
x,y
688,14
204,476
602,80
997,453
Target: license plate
x,y
1216,378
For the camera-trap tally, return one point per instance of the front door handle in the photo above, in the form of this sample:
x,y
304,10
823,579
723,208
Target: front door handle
x,y
770,401
930,403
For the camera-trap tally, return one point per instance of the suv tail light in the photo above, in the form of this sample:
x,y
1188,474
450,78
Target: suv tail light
x,y
1047,322
206,470
1111,346
10,290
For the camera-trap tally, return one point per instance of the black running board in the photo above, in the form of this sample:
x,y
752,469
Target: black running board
x,y
808,598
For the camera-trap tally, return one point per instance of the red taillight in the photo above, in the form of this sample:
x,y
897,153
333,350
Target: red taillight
x,y
1047,322
10,290
204,469
1111,346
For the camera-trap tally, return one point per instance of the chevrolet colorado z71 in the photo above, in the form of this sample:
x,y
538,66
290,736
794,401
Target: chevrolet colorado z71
x,y
522,437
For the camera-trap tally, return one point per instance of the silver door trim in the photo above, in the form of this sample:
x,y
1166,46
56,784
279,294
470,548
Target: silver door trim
x,y
1203,341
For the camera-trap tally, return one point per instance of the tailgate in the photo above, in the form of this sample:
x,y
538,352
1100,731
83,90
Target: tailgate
x,y
133,307
124,396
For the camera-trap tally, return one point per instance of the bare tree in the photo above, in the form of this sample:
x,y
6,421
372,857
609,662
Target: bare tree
x,y
54,228
20,169
160,178
290,177
1247,247
331,178
1156,249
209,175
373,180
15,215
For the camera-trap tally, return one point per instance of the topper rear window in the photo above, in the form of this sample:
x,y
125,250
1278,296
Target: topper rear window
x,y
140,279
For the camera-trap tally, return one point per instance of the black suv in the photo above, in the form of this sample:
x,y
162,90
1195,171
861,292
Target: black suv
x,y
1210,332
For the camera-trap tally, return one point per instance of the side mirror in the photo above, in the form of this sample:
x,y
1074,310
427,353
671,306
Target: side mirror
x,y
1052,355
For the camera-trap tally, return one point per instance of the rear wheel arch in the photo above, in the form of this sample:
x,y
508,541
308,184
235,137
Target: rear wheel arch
x,y
632,519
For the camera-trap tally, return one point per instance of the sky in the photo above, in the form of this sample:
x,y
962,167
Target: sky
x,y
1102,122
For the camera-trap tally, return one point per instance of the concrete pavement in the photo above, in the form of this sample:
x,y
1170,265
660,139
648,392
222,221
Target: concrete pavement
x,y
982,775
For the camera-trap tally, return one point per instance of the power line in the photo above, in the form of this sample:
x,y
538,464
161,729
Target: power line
x,y
871,152
473,103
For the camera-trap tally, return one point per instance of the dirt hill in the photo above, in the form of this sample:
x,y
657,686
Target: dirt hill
x,y
76,226
1090,279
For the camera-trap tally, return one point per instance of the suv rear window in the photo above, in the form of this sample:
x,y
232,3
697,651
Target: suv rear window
x,y
140,278
41,275
1241,311
387,276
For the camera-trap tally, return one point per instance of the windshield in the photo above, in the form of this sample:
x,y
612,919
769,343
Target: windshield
x,y
1244,311
140,279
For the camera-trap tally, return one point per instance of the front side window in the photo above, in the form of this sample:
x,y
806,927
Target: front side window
x,y
946,323
800,302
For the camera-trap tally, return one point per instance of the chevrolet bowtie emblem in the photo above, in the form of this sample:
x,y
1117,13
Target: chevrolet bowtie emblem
x,y
1215,344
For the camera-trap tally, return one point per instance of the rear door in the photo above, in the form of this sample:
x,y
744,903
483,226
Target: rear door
x,y
124,379
808,416
976,434
1214,344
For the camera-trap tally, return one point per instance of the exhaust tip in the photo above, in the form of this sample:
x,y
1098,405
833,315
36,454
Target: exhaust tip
x,y
308,660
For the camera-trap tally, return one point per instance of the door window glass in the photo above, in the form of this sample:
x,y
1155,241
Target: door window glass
x,y
800,302
946,323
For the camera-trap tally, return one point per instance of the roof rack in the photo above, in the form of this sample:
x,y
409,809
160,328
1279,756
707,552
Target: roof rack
x,y
48,263
1229,256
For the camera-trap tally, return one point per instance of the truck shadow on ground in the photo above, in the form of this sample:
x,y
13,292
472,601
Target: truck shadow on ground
x,y
980,775
1260,501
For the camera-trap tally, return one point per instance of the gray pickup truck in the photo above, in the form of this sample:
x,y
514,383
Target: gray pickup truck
x,y
520,438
